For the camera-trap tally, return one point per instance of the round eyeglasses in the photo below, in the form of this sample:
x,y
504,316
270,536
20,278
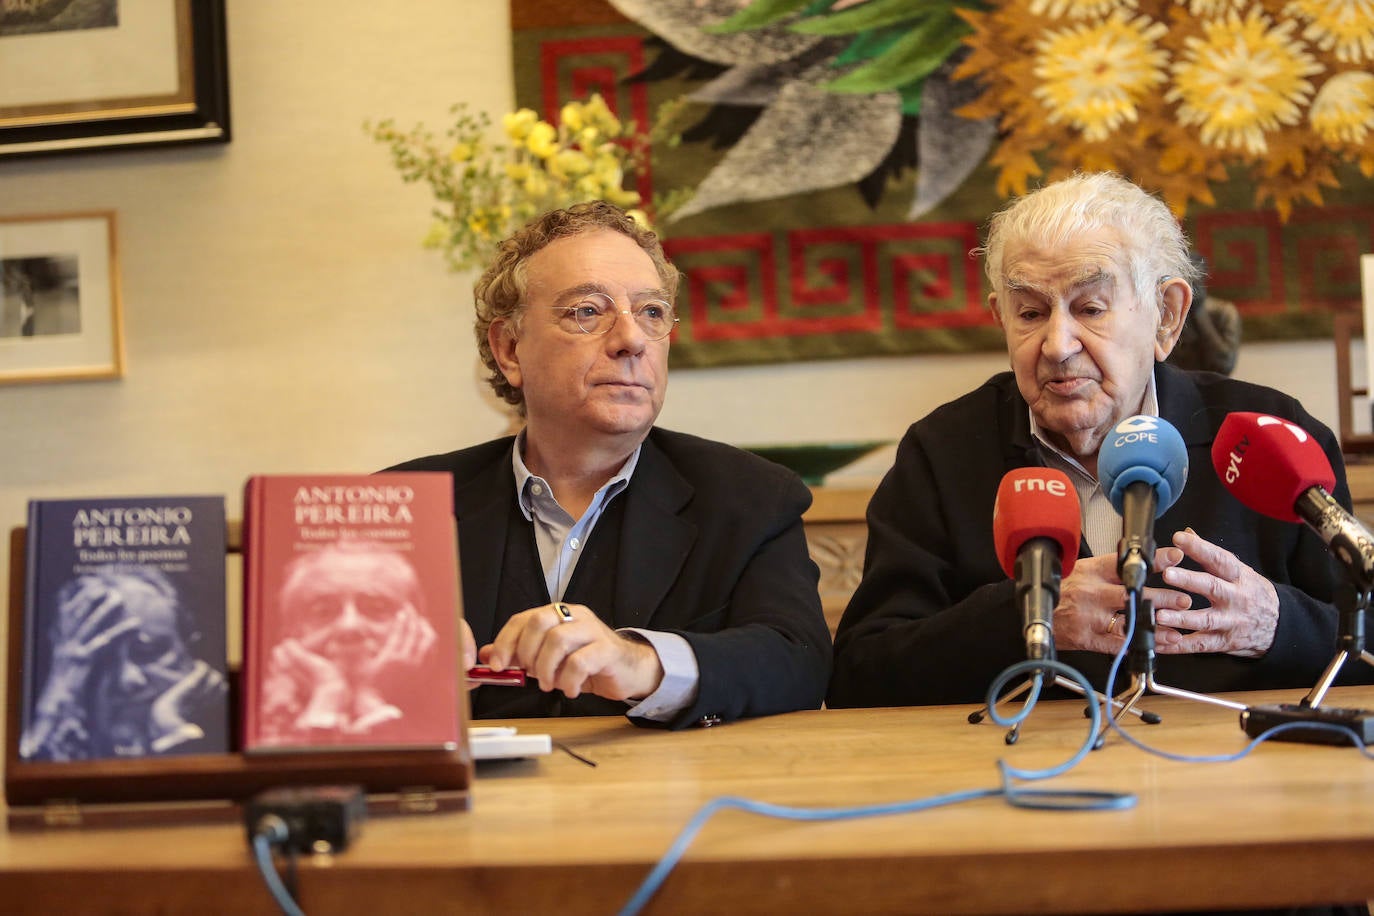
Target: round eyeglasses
x,y
597,313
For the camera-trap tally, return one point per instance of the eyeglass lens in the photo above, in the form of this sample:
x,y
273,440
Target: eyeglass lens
x,y
597,313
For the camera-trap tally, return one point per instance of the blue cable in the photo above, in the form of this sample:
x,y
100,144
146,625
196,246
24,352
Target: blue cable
x,y
1022,798
1115,725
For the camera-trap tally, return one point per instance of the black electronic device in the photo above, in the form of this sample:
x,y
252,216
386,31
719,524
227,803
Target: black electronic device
x,y
1311,723
312,818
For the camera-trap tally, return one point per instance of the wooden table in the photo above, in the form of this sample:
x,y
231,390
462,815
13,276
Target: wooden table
x,y
1289,824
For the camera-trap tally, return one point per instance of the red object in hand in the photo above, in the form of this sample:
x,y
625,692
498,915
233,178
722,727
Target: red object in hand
x,y
505,677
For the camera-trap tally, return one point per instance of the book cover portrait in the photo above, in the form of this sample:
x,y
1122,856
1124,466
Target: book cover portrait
x,y
124,629
351,611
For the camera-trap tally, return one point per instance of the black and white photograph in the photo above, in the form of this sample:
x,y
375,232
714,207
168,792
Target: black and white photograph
x,y
40,295
25,17
60,316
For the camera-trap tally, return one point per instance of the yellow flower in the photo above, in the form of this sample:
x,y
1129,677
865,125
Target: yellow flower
x,y
589,187
571,116
517,171
1345,27
1094,76
569,163
621,197
542,140
518,123
461,152
479,223
599,114
607,169
588,137
536,185
1343,111
1078,9
1241,80
1208,9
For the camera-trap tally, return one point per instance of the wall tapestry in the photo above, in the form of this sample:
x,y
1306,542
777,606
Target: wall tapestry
x,y
821,168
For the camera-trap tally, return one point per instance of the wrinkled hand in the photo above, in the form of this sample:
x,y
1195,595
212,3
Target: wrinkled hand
x,y
409,642
60,710
1244,611
583,656
1090,596
326,692
173,714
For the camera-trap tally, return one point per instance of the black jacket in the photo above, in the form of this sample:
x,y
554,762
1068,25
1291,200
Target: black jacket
x,y
711,547
933,619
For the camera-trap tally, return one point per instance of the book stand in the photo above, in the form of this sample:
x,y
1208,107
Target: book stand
x,y
205,787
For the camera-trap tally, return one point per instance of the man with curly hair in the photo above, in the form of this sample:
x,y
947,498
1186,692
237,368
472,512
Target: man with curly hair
x,y
627,568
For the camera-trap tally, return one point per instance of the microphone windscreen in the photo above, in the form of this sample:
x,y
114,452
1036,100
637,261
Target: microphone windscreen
x,y
1268,462
1143,448
1035,503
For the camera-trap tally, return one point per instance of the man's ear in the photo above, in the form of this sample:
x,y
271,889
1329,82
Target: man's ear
x,y
996,312
502,339
1176,298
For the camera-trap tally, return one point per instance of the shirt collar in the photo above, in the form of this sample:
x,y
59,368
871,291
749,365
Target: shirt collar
x,y
523,476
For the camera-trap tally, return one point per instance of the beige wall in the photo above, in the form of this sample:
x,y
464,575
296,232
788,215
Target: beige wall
x,y
281,317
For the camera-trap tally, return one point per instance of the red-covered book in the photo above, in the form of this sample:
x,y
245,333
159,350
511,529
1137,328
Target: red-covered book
x,y
351,608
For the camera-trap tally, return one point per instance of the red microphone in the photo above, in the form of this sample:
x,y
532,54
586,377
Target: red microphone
x,y
1279,469
1035,527
1268,463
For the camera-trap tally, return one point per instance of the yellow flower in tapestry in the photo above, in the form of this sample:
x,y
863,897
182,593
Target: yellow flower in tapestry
x,y
1343,27
1241,80
1078,9
1093,76
1343,112
1181,95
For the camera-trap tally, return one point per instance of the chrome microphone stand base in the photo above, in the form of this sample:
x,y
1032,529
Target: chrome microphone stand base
x,y
1353,602
1142,660
1014,732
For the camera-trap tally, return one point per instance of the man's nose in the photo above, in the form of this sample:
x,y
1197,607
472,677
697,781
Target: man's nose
x,y
349,616
626,337
1060,339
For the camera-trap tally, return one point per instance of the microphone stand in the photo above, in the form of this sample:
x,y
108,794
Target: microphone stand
x,y
1350,542
1042,594
1134,554
1014,732
1352,603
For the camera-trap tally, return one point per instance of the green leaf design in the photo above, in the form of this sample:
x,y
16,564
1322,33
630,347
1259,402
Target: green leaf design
x,y
909,60
758,14
869,45
871,15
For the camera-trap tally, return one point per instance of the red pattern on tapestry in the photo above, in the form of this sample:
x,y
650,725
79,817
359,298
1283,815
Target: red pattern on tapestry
x,y
557,62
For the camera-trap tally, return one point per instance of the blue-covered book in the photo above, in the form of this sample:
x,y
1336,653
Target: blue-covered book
x,y
124,629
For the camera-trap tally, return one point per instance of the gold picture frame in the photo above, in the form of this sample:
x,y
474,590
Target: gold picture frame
x,y
60,313
127,75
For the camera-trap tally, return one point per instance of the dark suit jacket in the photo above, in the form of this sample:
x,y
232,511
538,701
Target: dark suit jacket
x,y
711,548
933,620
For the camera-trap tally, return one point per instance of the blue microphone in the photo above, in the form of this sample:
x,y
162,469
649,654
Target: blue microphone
x,y
1142,466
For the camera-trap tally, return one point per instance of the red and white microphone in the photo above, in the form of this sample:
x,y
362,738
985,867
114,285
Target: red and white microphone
x,y
1278,469
1035,527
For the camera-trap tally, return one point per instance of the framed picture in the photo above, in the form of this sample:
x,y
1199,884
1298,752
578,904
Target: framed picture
x,y
59,302
78,75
